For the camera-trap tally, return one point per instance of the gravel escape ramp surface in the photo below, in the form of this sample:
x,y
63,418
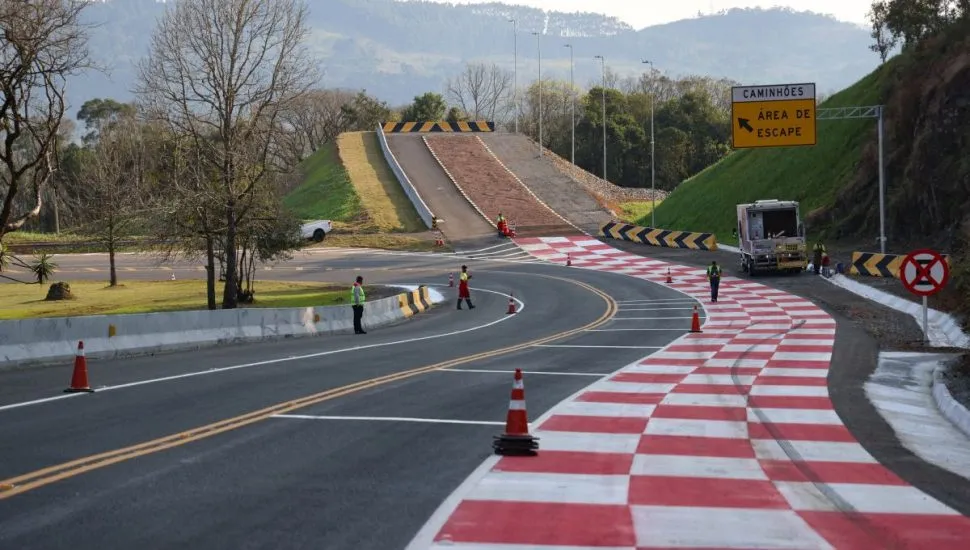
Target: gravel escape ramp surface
x,y
491,187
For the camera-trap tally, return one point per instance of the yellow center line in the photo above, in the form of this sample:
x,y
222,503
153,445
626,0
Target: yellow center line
x,y
39,478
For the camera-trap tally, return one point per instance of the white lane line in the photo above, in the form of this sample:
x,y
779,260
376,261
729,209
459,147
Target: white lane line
x,y
648,318
530,372
658,301
278,360
606,347
391,419
628,329
656,308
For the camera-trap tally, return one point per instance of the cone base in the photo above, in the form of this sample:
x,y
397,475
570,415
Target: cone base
x,y
78,390
516,445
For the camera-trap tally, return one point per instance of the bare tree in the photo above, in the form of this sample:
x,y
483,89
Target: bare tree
x,y
43,43
229,69
482,91
314,120
113,186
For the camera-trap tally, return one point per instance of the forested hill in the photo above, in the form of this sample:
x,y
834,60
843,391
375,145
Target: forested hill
x,y
396,50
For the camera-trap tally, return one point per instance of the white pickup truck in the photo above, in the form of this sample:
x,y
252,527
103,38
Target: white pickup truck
x,y
316,230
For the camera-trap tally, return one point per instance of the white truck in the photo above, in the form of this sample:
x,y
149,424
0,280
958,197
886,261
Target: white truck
x,y
316,230
771,237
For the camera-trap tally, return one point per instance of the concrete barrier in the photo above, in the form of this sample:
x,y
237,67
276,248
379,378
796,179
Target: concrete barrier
x,y
30,342
423,211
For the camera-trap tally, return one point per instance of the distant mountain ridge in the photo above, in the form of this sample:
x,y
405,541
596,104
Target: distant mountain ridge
x,y
396,50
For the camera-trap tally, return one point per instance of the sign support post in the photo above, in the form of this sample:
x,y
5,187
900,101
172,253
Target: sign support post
x,y
924,273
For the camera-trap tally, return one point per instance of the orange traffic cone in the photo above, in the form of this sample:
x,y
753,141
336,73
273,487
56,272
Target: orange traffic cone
x,y
451,279
695,321
516,441
669,279
79,381
511,305
569,260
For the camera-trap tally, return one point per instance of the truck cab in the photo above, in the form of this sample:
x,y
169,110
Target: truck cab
x,y
771,237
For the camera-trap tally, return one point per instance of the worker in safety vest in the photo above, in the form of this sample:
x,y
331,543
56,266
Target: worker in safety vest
x,y
463,293
817,259
357,298
500,223
714,277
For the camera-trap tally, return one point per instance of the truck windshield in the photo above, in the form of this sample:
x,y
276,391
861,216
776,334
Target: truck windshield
x,y
780,223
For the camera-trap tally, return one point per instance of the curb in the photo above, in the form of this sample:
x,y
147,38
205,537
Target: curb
x,y
524,186
50,341
950,408
427,216
455,182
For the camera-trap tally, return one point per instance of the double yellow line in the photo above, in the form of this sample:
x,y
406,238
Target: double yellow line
x,y
53,474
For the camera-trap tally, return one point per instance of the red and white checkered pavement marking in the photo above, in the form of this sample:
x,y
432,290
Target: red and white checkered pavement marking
x,y
723,439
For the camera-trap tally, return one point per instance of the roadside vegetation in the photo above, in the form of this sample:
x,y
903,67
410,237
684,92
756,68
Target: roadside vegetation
x,y
96,298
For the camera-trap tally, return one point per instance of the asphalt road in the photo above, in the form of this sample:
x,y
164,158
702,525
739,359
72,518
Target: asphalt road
x,y
461,223
269,481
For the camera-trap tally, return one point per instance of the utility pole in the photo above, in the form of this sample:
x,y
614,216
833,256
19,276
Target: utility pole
x,y
539,50
572,98
603,64
653,162
515,73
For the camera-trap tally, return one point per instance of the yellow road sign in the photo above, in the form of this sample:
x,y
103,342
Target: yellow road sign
x,y
773,116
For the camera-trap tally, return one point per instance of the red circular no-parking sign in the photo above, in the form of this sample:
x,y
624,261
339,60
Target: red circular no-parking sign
x,y
924,272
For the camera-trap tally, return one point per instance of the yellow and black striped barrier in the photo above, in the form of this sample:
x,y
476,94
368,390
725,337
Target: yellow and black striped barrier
x,y
438,126
415,301
874,264
659,237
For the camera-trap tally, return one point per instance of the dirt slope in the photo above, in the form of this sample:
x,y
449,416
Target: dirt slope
x,y
563,194
493,189
461,224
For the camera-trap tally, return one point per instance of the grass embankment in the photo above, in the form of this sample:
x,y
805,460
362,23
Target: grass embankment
x,y
19,301
637,212
810,175
326,192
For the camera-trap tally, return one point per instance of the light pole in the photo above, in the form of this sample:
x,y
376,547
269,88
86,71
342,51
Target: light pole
x,y
539,50
515,72
572,101
603,63
653,164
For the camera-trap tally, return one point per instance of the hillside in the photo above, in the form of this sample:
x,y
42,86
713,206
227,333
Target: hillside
x,y
927,151
811,175
396,50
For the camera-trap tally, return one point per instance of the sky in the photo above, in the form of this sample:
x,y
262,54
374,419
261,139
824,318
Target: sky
x,y
643,13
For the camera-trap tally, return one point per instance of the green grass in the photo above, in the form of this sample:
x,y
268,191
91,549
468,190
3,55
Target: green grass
x,y
637,211
18,301
326,192
18,237
388,208
810,175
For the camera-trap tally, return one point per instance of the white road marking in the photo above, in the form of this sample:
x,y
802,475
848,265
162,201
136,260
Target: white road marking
x,y
391,419
521,307
606,347
648,318
628,329
596,374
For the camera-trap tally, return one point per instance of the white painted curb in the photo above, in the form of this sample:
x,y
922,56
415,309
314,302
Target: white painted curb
x,y
426,215
949,407
944,330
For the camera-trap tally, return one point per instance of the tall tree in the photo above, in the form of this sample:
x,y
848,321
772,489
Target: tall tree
x,y
43,42
230,69
482,91
427,107
316,119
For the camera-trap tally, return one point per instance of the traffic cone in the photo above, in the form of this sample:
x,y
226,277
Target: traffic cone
x,y
79,380
569,260
511,305
451,279
695,321
516,441
669,279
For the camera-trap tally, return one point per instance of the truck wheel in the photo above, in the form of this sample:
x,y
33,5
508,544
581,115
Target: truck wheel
x,y
319,235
